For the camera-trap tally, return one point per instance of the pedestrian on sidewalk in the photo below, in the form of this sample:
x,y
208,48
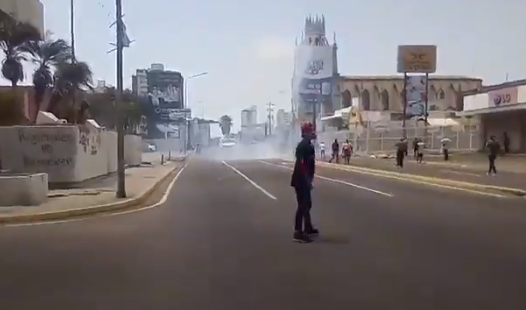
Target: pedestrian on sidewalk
x,y
506,143
346,152
420,152
445,151
401,151
335,152
415,146
302,181
322,151
493,147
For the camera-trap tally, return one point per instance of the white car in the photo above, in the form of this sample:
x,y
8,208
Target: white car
x,y
227,143
151,147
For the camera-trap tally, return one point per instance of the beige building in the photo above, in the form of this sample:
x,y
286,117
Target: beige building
x,y
30,11
384,93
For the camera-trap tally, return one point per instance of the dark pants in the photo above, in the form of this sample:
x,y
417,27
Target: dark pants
x,y
335,156
446,154
304,200
400,158
492,168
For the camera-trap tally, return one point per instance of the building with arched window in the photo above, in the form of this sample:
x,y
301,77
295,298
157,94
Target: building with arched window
x,y
385,93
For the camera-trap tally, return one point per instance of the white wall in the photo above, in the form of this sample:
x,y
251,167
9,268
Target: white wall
x,y
67,153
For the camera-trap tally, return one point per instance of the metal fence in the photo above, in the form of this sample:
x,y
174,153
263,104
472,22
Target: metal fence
x,y
370,141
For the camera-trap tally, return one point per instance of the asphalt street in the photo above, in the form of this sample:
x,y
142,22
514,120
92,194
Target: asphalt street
x,y
223,240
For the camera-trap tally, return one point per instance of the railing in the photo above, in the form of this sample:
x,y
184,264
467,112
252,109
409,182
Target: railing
x,y
371,141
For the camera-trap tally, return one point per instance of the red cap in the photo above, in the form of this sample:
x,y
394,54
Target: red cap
x,y
307,129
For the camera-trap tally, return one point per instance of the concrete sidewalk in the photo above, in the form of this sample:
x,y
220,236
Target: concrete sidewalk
x,y
510,174
139,181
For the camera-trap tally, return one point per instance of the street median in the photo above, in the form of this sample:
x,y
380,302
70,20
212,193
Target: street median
x,y
427,179
142,197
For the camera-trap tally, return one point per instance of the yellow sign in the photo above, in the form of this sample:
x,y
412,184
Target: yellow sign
x,y
417,58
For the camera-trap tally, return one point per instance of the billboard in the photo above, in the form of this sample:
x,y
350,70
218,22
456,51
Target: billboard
x,y
417,59
416,93
313,76
165,89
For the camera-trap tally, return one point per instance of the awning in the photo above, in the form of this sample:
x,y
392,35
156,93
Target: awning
x,y
510,107
442,122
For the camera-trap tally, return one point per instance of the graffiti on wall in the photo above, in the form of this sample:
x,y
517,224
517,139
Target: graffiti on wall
x,y
44,147
90,140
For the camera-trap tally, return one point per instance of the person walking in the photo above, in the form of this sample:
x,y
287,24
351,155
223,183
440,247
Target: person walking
x,y
401,152
335,152
302,181
322,151
493,147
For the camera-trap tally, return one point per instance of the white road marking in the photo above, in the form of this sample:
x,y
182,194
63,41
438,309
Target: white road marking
x,y
461,173
264,191
337,181
158,204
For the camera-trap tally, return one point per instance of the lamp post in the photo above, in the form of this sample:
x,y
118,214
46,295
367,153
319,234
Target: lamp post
x,y
186,86
72,27
185,105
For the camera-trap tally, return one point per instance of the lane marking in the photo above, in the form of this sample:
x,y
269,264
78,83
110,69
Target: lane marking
x,y
461,173
264,191
158,204
336,181
416,181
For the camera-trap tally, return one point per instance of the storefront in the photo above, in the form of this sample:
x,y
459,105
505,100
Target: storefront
x,y
500,111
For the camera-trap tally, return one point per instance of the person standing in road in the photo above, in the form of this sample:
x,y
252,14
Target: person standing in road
x,y
401,151
302,181
322,151
493,148
346,152
335,151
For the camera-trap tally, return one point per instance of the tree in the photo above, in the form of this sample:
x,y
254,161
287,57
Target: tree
x,y
225,122
70,78
47,54
14,36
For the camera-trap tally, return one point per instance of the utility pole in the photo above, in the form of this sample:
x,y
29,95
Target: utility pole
x,y
72,28
270,111
121,184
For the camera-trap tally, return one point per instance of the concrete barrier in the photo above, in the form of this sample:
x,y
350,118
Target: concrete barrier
x,y
66,153
23,189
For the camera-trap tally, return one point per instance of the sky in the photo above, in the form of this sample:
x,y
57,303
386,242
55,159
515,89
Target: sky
x,y
247,46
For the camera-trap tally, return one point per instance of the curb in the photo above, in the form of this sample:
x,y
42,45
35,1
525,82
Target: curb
x,y
87,211
508,190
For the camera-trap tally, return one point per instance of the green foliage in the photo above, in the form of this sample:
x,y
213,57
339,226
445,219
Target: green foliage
x,y
11,111
225,122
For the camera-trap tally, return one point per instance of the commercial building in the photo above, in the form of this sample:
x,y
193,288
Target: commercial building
x,y
163,97
498,109
29,11
283,118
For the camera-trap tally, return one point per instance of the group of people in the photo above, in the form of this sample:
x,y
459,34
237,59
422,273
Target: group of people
x,y
346,151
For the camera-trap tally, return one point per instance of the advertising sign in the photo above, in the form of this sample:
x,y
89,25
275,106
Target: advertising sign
x,y
164,89
417,59
416,95
503,97
313,76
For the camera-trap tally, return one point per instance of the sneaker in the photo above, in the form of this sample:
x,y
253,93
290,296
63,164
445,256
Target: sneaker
x,y
313,233
300,237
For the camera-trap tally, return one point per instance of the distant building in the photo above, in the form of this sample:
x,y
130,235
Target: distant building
x,y
249,117
283,118
29,11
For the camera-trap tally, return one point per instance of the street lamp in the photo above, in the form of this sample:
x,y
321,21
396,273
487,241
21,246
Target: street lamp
x,y
186,86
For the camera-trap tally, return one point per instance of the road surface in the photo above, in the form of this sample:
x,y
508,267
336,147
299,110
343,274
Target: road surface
x,y
223,240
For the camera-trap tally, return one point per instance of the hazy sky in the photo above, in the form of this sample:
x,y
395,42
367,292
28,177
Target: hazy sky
x,y
247,45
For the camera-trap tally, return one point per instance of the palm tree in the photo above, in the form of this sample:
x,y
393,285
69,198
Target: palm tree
x,y
47,54
69,79
225,122
14,36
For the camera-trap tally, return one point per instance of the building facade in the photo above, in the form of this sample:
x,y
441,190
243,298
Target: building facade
x,y
29,11
314,82
385,93
249,117
163,97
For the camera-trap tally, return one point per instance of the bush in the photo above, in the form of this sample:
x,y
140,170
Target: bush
x,y
11,110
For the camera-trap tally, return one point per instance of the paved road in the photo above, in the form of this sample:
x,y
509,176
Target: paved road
x,y
222,242
454,172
